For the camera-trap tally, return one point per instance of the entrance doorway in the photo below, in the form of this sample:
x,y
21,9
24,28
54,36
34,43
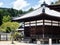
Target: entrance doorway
x,y
33,40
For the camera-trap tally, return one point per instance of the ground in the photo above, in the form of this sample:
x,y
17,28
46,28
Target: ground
x,y
15,43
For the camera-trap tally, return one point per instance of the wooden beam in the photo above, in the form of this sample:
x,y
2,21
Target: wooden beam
x,y
51,22
36,26
58,23
43,28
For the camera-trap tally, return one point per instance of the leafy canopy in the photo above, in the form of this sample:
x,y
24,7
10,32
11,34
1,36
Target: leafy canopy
x,y
12,25
6,19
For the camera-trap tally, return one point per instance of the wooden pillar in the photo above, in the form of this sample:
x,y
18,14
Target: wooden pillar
x,y
29,24
36,23
52,27
24,24
24,28
56,41
30,27
51,22
58,23
43,28
36,27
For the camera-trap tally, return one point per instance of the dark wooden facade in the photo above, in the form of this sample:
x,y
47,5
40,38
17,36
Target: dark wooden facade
x,y
43,26
44,31
49,29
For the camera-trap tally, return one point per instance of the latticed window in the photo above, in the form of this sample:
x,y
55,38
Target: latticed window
x,y
33,23
26,23
39,22
47,22
55,23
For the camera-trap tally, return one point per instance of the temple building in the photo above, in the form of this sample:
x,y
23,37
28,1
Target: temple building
x,y
42,23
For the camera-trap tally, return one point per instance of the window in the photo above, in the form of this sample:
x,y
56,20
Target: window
x,y
47,22
33,23
41,21
54,21
55,24
26,23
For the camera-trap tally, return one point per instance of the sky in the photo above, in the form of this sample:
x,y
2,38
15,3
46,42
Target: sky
x,y
23,4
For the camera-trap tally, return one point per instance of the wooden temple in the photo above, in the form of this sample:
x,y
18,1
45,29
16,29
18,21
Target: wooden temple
x,y
42,23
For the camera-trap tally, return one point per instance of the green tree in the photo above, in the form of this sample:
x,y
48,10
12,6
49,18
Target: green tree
x,y
6,19
20,12
31,9
13,12
12,26
8,11
18,36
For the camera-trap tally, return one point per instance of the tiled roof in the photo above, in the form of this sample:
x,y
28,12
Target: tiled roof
x,y
38,12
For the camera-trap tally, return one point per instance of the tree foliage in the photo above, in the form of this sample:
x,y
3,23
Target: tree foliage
x,y
11,25
31,9
6,19
7,13
13,12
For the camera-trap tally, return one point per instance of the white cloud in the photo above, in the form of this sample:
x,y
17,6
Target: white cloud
x,y
1,3
27,8
36,6
41,2
20,4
